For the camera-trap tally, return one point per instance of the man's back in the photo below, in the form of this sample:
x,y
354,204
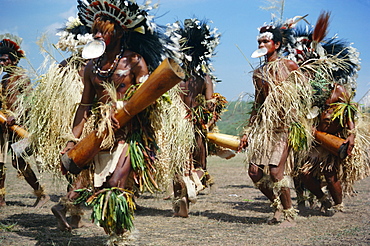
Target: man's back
x,y
194,86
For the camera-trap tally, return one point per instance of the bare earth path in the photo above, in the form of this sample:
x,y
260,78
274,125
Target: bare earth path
x,y
232,213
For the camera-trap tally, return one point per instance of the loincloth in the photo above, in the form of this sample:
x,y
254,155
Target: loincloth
x,y
105,162
274,151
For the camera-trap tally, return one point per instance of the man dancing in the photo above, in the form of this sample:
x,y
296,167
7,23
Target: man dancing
x,y
267,140
132,50
336,117
198,43
12,84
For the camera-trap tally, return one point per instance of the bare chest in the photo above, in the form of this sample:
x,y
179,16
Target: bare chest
x,y
117,78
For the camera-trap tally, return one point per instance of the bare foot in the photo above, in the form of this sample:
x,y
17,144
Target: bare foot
x,y
327,208
59,212
288,223
183,208
276,219
41,201
2,202
76,221
169,197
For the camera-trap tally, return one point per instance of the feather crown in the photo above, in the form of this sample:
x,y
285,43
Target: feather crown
x,y
302,44
197,42
11,44
127,14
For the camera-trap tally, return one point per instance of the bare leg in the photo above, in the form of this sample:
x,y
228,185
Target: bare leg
x,y
183,211
81,181
120,178
314,186
334,187
2,184
286,201
277,176
299,189
26,171
42,198
66,203
76,217
256,173
60,211
181,202
121,173
200,161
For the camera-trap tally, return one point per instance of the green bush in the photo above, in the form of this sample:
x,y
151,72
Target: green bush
x,y
234,118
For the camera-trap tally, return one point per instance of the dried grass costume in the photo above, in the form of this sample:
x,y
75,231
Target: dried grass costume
x,y
280,123
139,140
197,43
15,87
327,62
50,106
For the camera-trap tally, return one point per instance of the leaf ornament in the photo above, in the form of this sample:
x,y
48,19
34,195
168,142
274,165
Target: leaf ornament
x,y
344,111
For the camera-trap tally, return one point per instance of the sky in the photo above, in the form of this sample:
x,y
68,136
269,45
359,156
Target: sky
x,y
236,20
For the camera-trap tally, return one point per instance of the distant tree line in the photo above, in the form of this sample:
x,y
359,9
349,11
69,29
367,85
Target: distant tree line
x,y
235,117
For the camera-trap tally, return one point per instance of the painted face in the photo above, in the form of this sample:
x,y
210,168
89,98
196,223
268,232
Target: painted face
x,y
269,44
5,60
106,37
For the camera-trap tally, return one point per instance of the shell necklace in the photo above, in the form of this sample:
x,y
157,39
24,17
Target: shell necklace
x,y
107,73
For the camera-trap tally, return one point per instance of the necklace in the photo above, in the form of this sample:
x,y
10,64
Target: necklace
x,y
107,73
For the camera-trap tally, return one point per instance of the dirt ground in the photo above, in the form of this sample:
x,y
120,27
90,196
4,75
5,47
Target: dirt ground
x,y
233,212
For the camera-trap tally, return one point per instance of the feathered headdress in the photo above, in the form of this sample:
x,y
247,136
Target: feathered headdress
x,y
74,36
311,42
127,14
142,35
197,43
10,44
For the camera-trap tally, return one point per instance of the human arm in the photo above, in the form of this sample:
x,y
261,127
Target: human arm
x,y
83,110
243,143
260,89
351,137
210,100
140,68
341,97
15,87
258,101
349,121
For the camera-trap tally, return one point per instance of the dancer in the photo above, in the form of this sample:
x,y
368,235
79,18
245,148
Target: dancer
x,y
198,43
12,85
276,109
130,50
334,115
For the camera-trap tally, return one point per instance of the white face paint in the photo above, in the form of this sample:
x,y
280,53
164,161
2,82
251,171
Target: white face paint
x,y
267,35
